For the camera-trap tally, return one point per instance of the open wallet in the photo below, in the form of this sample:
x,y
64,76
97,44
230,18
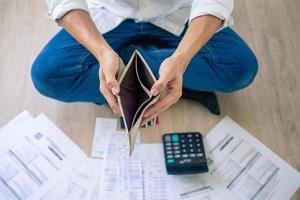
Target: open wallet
x,y
136,81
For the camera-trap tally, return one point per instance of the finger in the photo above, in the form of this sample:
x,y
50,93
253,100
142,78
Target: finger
x,y
111,99
159,86
117,110
111,81
161,105
146,120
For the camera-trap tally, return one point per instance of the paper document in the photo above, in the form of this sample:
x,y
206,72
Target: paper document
x,y
198,187
96,189
122,175
80,184
21,121
246,167
56,192
35,160
156,182
103,130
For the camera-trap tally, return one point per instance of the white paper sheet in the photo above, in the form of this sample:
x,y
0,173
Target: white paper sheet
x,y
156,182
104,128
96,189
56,192
246,167
198,187
80,184
122,174
21,121
35,160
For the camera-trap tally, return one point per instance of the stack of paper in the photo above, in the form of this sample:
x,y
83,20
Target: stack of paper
x,y
38,161
122,174
143,176
245,167
139,176
34,157
233,154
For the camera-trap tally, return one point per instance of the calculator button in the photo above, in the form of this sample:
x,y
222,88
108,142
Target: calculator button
x,y
189,135
170,161
168,138
183,140
199,150
175,138
197,140
192,150
168,143
177,156
183,136
186,160
183,145
191,145
169,156
199,154
198,145
168,148
190,140
169,152
175,143
176,148
184,155
192,155
197,135
183,150
176,151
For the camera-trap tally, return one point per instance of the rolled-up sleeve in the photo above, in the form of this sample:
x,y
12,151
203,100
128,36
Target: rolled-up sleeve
x,y
58,8
218,8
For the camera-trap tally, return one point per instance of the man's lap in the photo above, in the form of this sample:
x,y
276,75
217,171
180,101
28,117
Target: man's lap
x,y
225,63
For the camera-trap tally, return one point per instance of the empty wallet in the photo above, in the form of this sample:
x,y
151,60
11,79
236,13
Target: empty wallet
x,y
136,81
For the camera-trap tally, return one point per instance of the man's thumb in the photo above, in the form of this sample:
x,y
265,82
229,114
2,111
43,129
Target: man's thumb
x,y
158,87
112,83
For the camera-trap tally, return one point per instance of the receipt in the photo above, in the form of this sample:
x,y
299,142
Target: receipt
x,y
122,174
104,128
156,181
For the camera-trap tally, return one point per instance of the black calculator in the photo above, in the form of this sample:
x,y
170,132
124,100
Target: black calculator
x,y
184,153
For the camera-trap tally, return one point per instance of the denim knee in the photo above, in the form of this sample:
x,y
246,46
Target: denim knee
x,y
244,70
42,74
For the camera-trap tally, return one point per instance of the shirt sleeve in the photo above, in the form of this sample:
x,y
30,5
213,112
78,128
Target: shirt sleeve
x,y
58,8
218,8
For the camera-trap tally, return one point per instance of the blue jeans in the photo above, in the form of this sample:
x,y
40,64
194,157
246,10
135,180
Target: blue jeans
x,y
67,71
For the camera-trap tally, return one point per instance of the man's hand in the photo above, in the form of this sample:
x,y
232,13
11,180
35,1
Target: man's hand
x,y
80,25
169,85
200,30
109,86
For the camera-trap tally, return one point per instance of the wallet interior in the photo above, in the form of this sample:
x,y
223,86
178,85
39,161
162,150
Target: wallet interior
x,y
135,90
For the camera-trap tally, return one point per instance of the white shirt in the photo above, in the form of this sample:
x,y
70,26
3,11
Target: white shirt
x,y
170,15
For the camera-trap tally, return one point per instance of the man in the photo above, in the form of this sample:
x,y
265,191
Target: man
x,y
188,44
